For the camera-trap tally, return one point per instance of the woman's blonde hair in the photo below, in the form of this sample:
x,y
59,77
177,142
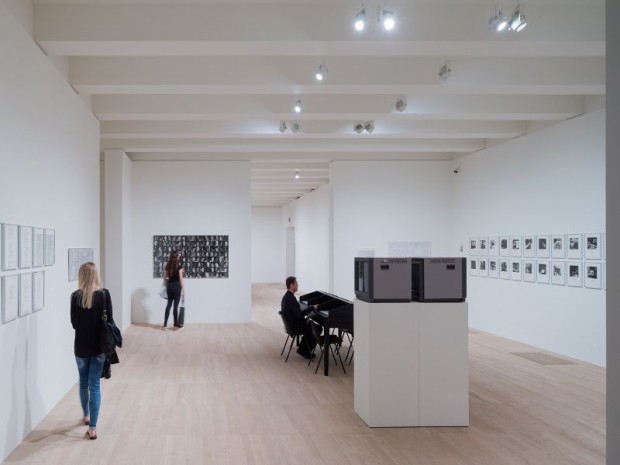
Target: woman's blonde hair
x,y
88,283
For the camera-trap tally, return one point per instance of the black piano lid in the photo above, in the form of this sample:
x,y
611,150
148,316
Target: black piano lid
x,y
312,295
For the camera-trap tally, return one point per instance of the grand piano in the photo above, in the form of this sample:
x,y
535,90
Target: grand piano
x,y
332,312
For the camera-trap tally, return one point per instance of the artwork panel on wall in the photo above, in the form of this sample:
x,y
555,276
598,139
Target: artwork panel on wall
x,y
558,246
529,247
10,246
529,271
10,298
483,246
50,247
504,269
473,246
515,270
473,267
593,245
542,246
38,247
504,246
404,249
77,257
25,247
483,267
515,246
542,271
493,268
574,247
558,273
201,256
38,291
493,246
593,275
573,274
25,294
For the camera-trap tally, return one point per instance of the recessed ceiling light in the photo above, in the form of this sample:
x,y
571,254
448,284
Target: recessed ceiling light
x,y
298,107
359,23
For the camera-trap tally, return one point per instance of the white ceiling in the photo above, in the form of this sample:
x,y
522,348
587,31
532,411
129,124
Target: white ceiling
x,y
211,80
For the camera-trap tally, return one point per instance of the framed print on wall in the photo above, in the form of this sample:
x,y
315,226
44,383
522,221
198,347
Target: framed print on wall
x,y
50,247
504,247
25,247
38,291
10,246
529,247
558,273
483,246
473,246
593,275
529,271
542,271
10,298
558,246
504,272
483,267
515,270
25,294
515,246
493,268
542,246
573,242
38,247
493,246
573,274
593,245
473,267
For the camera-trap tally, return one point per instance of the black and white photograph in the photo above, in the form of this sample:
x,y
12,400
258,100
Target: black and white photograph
x,y
25,294
483,267
529,247
483,246
473,267
493,268
542,271
529,271
573,275
574,248
201,256
515,246
593,246
473,246
558,248
25,247
542,247
504,247
593,275
558,273
10,246
10,298
515,270
493,246
504,271
50,247
38,291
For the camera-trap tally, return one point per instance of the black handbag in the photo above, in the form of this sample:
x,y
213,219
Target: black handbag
x,y
108,342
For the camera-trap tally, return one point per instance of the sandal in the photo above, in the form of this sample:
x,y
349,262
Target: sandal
x,y
91,434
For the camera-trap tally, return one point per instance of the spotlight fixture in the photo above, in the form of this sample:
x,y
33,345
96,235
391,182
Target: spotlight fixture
x,y
369,126
361,126
401,104
283,127
295,127
386,18
498,22
359,22
517,22
321,72
298,107
445,70
358,127
296,175
289,126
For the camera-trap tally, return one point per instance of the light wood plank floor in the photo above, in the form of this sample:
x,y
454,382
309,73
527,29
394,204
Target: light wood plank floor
x,y
221,394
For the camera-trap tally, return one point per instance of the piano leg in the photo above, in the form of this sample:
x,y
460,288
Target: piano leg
x,y
326,350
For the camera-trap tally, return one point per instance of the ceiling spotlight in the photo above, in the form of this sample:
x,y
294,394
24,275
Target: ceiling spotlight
x,y
283,127
369,126
321,72
358,127
296,176
295,127
298,107
498,22
386,18
359,23
517,22
401,104
444,70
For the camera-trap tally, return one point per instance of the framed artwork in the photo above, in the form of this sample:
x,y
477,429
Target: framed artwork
x,y
25,294
483,246
25,247
77,257
50,247
38,247
593,244
573,274
504,247
483,267
573,242
529,247
493,246
542,271
202,256
542,246
593,275
10,298
515,246
493,268
558,246
515,270
38,291
10,246
529,271
504,271
473,246
473,267
558,273
604,276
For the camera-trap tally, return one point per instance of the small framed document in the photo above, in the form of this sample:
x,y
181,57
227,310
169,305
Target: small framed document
x,y
593,245
10,246
593,275
10,298
558,273
574,247
38,291
38,247
558,246
25,247
25,294
542,271
529,271
50,247
573,277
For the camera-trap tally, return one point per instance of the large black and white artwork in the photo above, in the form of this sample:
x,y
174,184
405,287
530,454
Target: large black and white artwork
x,y
201,256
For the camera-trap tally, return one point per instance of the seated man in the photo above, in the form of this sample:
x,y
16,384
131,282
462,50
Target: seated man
x,y
291,310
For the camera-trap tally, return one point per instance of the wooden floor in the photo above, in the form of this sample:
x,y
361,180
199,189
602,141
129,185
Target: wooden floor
x,y
221,394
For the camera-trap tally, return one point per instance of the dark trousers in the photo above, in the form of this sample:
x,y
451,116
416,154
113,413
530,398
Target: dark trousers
x,y
308,341
174,297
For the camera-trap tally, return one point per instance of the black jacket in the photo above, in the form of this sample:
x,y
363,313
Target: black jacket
x,y
291,310
87,322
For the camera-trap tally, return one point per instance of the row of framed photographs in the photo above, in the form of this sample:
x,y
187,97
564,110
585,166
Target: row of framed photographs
x,y
572,246
22,294
27,247
559,272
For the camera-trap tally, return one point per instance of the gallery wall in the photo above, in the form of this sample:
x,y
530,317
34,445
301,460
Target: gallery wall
x,y
267,240
192,198
378,202
49,160
547,182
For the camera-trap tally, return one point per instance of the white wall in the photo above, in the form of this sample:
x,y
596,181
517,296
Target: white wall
x,y
192,198
310,217
548,182
378,202
49,149
267,240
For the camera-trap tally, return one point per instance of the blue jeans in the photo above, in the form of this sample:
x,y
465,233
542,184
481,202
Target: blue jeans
x,y
90,369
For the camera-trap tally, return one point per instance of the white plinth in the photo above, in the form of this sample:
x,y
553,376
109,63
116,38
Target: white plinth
x,y
411,364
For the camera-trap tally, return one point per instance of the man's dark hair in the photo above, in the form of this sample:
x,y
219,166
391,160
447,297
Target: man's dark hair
x,y
290,280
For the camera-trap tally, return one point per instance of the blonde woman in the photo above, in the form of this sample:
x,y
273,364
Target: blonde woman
x,y
173,278
87,305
